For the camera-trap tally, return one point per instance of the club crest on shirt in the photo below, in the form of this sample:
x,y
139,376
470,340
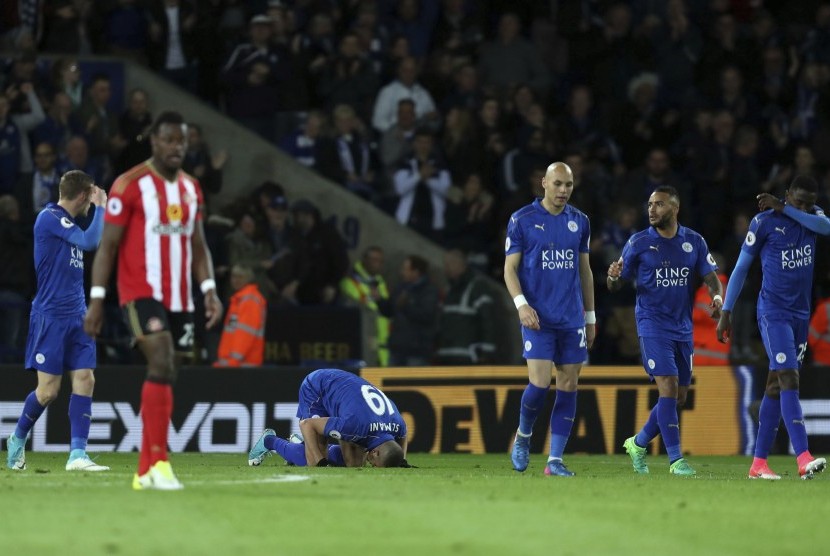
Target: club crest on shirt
x,y
528,345
40,358
687,247
780,357
651,364
174,212
573,226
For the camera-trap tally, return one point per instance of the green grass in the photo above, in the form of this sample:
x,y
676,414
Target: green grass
x,y
452,504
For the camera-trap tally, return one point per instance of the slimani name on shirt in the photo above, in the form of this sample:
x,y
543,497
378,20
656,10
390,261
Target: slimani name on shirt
x,y
384,427
796,258
668,277
553,259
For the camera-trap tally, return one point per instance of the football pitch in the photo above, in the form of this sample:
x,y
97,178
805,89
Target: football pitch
x,y
451,504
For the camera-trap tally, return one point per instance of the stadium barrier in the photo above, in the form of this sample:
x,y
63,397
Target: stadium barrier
x,y
447,409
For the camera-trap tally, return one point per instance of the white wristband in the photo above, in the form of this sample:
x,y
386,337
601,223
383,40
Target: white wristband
x,y
590,317
97,292
207,285
717,298
519,300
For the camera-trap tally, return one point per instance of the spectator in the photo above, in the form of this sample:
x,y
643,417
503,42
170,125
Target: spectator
x,y
322,260
69,26
280,233
242,343
465,93
466,332
405,86
204,166
16,280
421,183
365,287
396,142
66,78
355,153
35,190
252,76
134,127
15,152
348,79
415,20
458,31
125,25
655,171
58,126
460,143
708,350
100,124
172,45
76,157
305,145
511,60
411,341
246,247
470,223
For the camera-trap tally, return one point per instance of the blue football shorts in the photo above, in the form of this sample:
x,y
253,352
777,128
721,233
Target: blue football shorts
x,y
58,344
563,346
785,339
310,402
665,357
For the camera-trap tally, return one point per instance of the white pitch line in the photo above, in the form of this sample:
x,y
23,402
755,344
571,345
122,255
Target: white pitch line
x,y
53,482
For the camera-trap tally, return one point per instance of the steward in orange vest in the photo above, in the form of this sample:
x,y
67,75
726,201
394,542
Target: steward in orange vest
x,y
243,337
708,350
819,336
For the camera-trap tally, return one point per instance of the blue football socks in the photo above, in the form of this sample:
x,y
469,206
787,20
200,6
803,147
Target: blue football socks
x,y
532,401
32,410
561,422
80,418
794,420
649,431
290,452
669,426
768,418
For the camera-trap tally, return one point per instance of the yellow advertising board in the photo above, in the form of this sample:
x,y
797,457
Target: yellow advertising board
x,y
476,409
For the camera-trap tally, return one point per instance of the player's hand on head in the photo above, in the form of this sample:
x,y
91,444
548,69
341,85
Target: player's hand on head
x,y
768,201
99,197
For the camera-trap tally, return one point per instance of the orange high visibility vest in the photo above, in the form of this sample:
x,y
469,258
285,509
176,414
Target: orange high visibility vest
x,y
819,335
243,338
708,350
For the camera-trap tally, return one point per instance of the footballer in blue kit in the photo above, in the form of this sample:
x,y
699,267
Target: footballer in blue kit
x,y
783,235
57,342
341,406
664,261
548,274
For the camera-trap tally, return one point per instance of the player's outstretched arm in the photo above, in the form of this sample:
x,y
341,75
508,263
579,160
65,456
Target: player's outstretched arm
x,y
736,283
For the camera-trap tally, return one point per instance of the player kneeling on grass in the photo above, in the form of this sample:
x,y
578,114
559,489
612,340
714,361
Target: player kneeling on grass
x,y
338,405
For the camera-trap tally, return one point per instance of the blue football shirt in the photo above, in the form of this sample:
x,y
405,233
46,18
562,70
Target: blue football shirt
x,y
359,411
787,250
59,260
549,271
664,270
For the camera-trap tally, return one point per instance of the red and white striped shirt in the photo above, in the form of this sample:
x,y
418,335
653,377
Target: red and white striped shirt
x,y
156,252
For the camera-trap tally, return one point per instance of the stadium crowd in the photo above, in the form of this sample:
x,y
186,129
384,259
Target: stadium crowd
x,y
443,113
